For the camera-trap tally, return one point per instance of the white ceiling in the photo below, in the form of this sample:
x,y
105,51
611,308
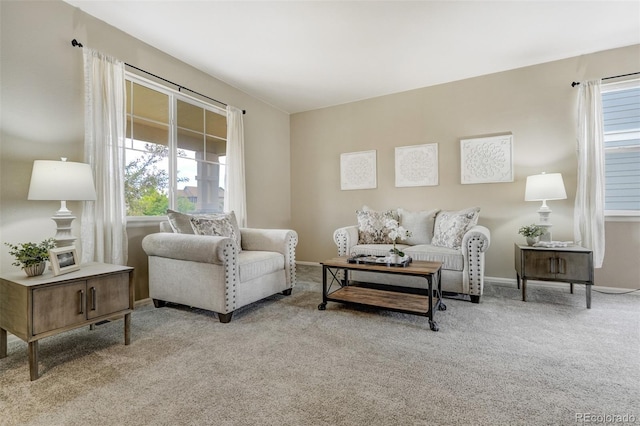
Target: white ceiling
x,y
304,55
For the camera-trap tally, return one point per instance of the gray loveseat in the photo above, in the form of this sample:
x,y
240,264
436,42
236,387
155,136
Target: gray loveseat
x,y
450,237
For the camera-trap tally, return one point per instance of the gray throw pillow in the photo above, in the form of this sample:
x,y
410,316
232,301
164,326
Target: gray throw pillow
x,y
179,222
419,224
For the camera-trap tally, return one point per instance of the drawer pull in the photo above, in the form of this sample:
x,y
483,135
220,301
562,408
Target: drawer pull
x,y
561,266
552,265
81,302
94,302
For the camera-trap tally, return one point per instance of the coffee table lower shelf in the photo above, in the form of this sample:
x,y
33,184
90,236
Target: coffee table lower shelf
x,y
416,304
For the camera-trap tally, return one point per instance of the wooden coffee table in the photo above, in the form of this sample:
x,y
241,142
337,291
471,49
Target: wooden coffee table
x,y
399,299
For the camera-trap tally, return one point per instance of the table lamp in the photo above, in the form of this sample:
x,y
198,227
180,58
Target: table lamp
x,y
62,181
545,187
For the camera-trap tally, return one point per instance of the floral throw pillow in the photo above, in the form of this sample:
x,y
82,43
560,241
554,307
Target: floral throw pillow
x,y
372,228
451,226
223,225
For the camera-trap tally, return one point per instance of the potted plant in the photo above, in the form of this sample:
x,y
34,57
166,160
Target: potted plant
x,y
31,257
395,232
532,233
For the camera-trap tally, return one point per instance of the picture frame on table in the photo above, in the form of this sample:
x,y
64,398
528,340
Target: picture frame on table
x,y
64,260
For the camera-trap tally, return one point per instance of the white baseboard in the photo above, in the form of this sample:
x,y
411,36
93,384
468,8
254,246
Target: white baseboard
x,y
302,262
511,282
142,302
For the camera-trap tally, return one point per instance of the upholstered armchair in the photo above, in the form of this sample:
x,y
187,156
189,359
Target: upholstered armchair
x,y
217,274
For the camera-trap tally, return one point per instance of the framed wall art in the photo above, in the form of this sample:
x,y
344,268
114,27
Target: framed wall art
x,y
417,165
358,170
487,159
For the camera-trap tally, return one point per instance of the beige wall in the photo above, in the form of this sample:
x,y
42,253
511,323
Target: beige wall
x,y
536,104
42,118
298,186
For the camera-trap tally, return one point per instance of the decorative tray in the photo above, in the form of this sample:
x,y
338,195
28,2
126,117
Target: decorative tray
x,y
378,260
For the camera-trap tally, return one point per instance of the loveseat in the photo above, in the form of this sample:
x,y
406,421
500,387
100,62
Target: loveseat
x,y
451,237
210,263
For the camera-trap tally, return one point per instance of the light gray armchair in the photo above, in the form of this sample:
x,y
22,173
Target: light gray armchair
x,y
210,272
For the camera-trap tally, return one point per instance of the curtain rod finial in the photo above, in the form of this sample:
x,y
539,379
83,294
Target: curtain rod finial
x,y
574,84
75,43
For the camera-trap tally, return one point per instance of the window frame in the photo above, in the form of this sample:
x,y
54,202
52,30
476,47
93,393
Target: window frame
x,y
620,215
172,97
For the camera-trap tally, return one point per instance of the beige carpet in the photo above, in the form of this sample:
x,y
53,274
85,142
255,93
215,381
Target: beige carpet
x,y
283,362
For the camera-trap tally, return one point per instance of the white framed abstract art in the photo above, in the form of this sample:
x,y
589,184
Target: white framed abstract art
x,y
417,165
358,170
487,159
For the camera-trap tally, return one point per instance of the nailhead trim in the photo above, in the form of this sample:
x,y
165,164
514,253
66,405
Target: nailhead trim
x,y
476,279
230,274
292,242
340,238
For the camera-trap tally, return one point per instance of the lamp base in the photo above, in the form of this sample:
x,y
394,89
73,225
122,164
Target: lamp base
x,y
544,212
63,236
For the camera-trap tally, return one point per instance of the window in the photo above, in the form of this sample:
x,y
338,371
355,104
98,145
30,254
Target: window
x,y
175,151
621,115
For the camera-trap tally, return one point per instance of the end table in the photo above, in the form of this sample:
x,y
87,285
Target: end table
x,y
573,264
32,308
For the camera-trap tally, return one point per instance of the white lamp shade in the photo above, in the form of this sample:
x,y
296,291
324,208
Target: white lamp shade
x,y
61,181
545,187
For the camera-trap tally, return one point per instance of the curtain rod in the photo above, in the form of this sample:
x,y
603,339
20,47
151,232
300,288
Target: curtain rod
x,y
574,84
76,43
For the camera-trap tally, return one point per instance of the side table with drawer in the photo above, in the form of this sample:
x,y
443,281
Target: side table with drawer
x,y
572,264
33,308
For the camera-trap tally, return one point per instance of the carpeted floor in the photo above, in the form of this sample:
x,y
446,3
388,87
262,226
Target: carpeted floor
x,y
283,362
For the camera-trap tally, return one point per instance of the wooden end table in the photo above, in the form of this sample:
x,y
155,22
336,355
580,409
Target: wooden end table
x,y
399,299
572,264
32,308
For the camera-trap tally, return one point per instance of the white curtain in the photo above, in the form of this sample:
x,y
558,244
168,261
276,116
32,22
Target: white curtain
x,y
235,196
103,231
589,206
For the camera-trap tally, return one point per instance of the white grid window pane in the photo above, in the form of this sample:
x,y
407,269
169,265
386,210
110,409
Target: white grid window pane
x,y
621,120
